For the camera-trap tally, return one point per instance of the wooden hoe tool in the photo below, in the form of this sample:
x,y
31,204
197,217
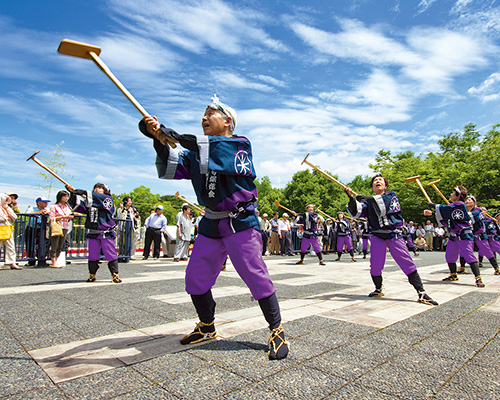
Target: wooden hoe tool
x,y
32,157
433,184
90,52
325,214
279,205
178,196
325,174
417,179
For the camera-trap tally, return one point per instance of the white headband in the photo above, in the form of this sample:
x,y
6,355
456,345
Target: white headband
x,y
224,109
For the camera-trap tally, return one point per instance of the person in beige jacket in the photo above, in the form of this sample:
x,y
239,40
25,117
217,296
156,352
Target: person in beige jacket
x,y
7,217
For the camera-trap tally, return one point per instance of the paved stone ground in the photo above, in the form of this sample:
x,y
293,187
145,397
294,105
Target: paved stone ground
x,y
62,338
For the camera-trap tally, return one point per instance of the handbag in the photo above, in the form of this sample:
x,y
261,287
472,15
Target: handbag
x,y
55,228
5,232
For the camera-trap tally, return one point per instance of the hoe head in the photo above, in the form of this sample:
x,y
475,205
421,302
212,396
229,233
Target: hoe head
x,y
412,179
78,49
177,195
304,160
33,155
433,182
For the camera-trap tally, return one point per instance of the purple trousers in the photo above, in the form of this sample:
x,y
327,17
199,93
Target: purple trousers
x,y
460,248
494,245
344,240
245,250
399,251
107,245
312,241
484,248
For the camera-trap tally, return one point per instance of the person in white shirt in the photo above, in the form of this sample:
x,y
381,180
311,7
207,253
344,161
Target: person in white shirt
x,y
285,238
438,238
156,224
265,228
184,229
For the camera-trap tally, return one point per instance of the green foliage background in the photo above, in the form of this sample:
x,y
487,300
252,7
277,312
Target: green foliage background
x,y
464,158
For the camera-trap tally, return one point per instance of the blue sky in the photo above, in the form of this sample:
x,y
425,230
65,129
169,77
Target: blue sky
x,y
338,79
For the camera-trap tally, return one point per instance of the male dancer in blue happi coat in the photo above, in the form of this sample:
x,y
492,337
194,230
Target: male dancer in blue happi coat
x,y
383,213
220,167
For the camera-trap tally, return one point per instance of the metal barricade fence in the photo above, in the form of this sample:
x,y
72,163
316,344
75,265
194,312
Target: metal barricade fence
x,y
32,239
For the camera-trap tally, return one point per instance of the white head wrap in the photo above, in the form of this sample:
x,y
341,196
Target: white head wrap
x,y
224,109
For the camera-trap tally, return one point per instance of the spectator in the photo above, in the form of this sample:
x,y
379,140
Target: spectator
x,y
438,238
128,211
35,234
285,237
60,215
7,218
420,231
429,234
420,243
184,229
13,202
155,224
411,231
445,242
265,227
274,246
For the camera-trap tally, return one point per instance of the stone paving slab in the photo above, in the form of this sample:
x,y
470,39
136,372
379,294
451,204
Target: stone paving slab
x,y
62,338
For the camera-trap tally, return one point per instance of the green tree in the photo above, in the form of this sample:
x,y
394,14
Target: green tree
x,y
267,196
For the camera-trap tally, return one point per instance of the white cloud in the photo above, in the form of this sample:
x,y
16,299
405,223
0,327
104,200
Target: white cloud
x,y
424,5
234,81
271,80
355,41
198,26
404,69
135,53
488,90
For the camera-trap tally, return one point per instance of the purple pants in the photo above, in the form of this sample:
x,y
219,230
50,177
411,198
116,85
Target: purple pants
x,y
484,248
462,248
245,250
494,245
107,245
366,241
312,241
344,240
399,251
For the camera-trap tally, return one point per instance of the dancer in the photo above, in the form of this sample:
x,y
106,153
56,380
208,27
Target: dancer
x,y
309,222
493,232
479,231
220,167
461,241
344,237
101,235
383,213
